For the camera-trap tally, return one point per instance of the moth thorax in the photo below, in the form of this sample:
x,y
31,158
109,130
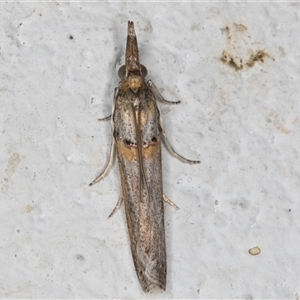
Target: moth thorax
x,y
134,81
136,102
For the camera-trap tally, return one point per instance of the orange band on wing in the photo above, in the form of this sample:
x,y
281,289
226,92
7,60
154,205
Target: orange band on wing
x,y
130,152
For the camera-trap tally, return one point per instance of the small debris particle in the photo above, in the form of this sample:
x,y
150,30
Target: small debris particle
x,y
71,37
254,251
28,208
80,257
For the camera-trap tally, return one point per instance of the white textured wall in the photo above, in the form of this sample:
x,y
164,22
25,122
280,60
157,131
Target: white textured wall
x,y
55,238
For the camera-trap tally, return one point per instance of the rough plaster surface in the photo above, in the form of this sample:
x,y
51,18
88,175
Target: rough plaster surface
x,y
235,66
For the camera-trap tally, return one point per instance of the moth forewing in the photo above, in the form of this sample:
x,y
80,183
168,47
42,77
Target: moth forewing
x,y
138,139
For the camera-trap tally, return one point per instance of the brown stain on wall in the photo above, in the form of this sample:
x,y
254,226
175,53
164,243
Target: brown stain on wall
x,y
239,52
257,56
12,165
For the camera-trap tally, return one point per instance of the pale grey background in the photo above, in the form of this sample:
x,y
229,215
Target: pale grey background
x,y
55,238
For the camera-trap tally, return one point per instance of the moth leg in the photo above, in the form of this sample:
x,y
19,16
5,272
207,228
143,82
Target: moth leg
x,y
118,205
175,154
158,95
105,119
108,165
167,200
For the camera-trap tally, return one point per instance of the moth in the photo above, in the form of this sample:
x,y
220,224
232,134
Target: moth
x,y
137,135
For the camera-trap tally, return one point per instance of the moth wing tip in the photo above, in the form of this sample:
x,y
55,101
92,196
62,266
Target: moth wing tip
x,y
149,288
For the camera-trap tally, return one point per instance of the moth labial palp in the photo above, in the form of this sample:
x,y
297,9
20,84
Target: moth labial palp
x,y
137,135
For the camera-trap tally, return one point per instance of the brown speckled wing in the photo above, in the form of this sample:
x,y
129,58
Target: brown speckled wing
x,y
139,156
